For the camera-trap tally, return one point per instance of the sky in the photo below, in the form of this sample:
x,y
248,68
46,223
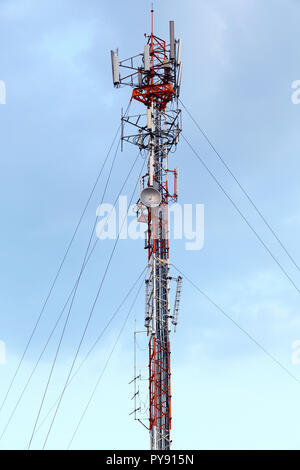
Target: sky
x,y
240,58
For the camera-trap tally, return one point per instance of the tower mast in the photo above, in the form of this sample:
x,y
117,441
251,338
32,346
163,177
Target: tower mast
x,y
155,77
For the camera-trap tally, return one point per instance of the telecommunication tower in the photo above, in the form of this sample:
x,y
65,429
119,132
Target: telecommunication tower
x,y
155,76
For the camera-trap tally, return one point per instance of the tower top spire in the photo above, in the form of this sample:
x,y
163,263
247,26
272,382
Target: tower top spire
x,y
152,15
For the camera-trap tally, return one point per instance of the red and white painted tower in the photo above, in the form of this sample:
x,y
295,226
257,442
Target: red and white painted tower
x,y
155,76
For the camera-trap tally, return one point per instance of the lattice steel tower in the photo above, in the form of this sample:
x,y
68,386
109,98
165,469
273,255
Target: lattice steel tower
x,y
155,76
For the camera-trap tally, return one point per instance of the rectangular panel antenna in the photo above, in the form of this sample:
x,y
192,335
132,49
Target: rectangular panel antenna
x,y
179,77
172,40
147,57
178,51
115,68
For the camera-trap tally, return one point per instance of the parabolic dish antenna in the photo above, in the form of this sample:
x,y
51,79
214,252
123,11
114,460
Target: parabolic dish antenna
x,y
150,197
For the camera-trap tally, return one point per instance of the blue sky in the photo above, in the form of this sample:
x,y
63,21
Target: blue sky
x,y
240,59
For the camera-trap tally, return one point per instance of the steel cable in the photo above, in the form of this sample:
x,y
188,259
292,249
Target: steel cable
x,y
243,216
90,316
93,346
245,192
262,348
72,299
40,315
104,368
